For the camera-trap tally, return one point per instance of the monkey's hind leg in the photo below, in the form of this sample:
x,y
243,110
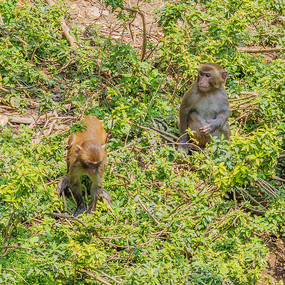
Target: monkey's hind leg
x,y
77,192
224,130
95,194
183,143
196,122
100,193
96,189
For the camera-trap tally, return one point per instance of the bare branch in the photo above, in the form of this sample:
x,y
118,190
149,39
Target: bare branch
x,y
148,211
66,216
255,50
144,29
92,275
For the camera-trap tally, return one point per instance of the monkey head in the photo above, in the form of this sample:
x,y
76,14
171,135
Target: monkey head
x,y
210,77
90,156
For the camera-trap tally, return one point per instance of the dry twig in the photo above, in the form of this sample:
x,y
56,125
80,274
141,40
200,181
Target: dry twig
x,y
92,275
233,222
21,120
10,269
145,208
144,30
255,50
165,133
278,178
66,216
64,28
267,187
4,90
106,275
139,245
254,200
1,20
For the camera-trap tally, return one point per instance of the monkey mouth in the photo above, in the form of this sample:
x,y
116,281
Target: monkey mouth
x,y
203,89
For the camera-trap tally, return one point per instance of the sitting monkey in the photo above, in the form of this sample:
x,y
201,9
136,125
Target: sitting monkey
x,y
205,108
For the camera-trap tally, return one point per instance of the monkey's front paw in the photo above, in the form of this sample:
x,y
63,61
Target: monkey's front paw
x,y
207,129
211,126
80,210
63,184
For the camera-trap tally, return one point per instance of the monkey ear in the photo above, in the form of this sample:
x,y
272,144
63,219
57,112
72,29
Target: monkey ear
x,y
78,148
104,146
224,75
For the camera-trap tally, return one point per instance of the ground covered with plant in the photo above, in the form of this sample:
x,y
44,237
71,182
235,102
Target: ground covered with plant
x,y
215,217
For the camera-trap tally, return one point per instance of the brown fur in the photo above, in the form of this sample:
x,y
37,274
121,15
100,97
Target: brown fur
x,y
87,155
204,108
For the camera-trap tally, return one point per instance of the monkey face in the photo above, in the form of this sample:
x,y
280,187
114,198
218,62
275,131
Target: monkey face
x,y
205,81
210,77
91,167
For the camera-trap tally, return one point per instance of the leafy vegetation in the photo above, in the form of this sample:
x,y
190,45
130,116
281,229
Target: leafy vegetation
x,y
202,219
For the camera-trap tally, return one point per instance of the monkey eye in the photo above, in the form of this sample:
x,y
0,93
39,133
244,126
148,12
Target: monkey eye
x,y
208,75
87,165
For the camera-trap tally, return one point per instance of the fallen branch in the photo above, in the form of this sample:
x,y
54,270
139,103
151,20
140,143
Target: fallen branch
x,y
22,41
179,206
158,234
220,222
278,81
244,100
21,120
165,133
162,122
71,61
163,136
138,244
255,50
8,107
251,94
4,90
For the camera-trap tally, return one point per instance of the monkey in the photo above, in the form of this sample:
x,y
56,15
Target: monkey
x,y
205,107
86,155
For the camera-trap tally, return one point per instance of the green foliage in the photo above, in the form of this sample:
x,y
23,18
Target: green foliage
x,y
171,221
211,31
29,35
241,162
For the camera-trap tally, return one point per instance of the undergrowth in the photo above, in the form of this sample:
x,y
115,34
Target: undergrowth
x,y
174,219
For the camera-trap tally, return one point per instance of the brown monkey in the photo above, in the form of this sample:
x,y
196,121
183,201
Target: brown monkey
x,y
86,155
205,108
